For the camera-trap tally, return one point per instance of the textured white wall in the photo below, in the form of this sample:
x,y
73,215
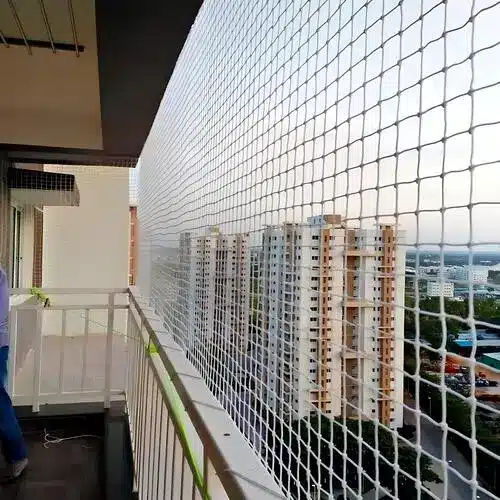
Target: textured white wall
x,y
87,246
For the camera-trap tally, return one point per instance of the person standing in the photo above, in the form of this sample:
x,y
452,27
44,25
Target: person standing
x,y
11,439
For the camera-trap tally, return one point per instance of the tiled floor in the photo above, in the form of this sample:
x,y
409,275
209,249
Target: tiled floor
x,y
69,470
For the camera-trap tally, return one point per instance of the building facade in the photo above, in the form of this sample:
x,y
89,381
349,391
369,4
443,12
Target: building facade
x,y
214,297
440,288
333,329
477,275
134,241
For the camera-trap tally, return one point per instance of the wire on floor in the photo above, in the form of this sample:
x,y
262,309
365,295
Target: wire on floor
x,y
50,439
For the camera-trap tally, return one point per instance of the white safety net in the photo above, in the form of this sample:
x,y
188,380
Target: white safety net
x,y
318,207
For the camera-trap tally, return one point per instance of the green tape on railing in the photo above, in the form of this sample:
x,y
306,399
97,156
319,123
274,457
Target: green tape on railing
x,y
152,349
36,292
177,414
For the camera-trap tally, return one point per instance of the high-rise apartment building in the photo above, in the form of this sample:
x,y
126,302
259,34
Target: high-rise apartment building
x,y
132,256
214,295
333,333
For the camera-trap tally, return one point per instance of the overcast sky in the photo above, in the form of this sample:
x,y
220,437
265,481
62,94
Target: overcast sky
x,y
277,111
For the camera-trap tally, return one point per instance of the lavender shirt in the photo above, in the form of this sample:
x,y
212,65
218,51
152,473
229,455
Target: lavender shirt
x,y
4,309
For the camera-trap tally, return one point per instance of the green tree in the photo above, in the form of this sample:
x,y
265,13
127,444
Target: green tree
x,y
430,326
494,276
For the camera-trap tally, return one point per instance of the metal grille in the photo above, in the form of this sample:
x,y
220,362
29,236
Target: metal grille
x,y
318,206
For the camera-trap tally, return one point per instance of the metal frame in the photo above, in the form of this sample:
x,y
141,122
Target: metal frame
x,y
19,25
73,27
12,237
47,25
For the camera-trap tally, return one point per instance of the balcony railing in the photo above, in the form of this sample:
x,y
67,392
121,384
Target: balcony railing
x,y
106,345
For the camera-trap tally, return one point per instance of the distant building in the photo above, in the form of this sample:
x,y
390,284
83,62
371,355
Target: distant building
x,y
477,275
214,293
440,288
491,359
465,347
329,308
134,242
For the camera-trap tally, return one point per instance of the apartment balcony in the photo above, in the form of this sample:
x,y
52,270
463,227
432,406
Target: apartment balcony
x,y
111,407
363,252
356,302
353,352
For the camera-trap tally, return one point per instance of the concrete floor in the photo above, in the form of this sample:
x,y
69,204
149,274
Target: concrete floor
x,y
69,470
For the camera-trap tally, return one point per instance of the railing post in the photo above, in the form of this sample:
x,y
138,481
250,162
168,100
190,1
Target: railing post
x,y
37,365
61,355
109,351
85,347
12,351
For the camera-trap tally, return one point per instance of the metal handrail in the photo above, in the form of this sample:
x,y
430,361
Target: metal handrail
x,y
239,470
71,291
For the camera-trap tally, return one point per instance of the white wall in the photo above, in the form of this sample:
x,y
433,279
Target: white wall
x,y
87,246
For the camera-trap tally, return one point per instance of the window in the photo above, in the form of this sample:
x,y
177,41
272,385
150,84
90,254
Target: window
x,y
16,224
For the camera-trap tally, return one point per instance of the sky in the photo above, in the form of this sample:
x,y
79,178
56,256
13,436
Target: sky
x,y
280,110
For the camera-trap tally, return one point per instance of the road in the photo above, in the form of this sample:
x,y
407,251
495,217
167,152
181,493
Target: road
x,y
432,442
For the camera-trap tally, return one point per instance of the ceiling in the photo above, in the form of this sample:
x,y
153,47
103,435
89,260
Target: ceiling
x,y
82,80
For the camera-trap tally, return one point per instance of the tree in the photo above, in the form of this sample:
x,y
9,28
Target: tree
x,y
430,326
313,450
494,276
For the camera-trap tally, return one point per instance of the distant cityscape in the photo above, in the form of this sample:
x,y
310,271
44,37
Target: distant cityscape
x,y
311,335
456,278
456,281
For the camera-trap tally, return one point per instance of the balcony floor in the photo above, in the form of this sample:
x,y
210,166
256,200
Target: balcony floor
x,y
69,470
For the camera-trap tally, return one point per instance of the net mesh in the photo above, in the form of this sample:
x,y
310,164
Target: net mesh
x,y
318,204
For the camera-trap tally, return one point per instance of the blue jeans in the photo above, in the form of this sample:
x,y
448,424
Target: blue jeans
x,y
11,438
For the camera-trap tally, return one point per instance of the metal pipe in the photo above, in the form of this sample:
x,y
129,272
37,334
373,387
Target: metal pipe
x,y
109,351
86,333
13,333
4,41
62,353
47,25
73,27
19,25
